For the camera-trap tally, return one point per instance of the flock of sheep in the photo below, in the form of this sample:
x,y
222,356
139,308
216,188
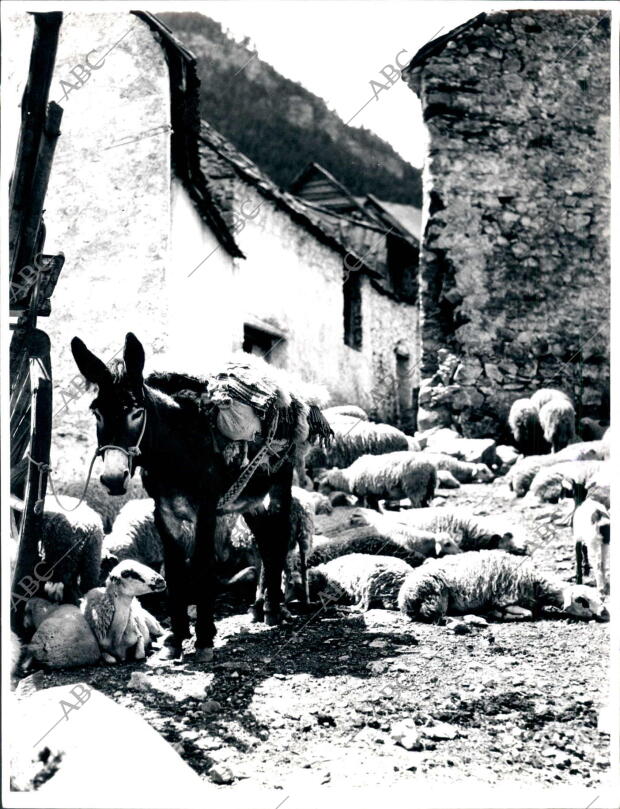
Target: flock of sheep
x,y
364,533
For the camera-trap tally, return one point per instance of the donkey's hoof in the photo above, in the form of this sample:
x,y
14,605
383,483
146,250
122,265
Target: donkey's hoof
x,y
257,612
204,654
276,617
170,653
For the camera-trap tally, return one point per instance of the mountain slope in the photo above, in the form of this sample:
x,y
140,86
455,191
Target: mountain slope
x,y
281,125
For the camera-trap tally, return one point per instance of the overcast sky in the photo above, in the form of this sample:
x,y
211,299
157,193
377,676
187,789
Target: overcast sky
x,y
336,47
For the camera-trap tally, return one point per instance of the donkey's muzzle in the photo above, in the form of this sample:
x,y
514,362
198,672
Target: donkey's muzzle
x,y
115,484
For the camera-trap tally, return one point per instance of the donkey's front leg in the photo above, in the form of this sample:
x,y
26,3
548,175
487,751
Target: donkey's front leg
x,y
203,563
176,582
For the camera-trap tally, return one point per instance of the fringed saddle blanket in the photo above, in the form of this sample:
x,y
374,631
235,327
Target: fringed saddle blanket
x,y
242,401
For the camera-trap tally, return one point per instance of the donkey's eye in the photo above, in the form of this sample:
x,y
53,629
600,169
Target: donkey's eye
x,y
135,416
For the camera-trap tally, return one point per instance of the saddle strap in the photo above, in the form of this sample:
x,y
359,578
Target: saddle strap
x,y
242,481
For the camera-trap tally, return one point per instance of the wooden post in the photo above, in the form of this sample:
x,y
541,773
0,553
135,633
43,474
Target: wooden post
x,y
25,583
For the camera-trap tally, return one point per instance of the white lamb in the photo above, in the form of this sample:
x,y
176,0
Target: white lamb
x,y
469,531
359,579
591,531
491,582
393,476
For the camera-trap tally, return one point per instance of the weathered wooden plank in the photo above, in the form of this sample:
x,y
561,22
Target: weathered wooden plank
x,y
34,115
30,223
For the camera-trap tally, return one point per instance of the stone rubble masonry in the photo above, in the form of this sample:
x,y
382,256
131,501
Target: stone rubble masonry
x,y
514,270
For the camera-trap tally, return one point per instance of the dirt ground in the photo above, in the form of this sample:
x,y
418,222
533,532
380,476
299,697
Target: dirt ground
x,y
322,701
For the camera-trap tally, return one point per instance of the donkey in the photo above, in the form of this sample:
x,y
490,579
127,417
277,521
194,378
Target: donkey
x,y
187,465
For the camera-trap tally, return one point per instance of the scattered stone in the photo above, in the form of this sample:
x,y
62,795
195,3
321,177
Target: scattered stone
x,y
210,707
441,731
378,644
220,774
139,680
406,735
475,620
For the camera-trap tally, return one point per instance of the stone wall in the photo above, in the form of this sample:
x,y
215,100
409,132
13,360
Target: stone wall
x,y
514,270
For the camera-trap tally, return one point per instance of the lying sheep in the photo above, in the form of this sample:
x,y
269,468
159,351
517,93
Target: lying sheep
x,y
469,532
70,548
525,427
353,438
590,430
591,532
463,471
386,537
425,543
557,419
565,479
524,471
491,581
99,499
393,476
319,502
345,410
359,579
116,617
446,480
365,540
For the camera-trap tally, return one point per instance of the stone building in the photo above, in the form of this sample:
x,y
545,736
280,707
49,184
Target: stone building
x,y
514,266
168,231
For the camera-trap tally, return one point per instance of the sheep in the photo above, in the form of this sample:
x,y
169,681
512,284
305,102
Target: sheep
x,y
426,543
446,480
353,438
70,548
98,498
557,419
523,472
36,611
590,430
63,639
491,581
565,479
392,476
116,617
525,427
463,471
387,538
359,579
591,532
367,541
541,397
319,502
346,410
469,531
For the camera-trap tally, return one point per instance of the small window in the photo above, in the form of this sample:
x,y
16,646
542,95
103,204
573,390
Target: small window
x,y
260,343
402,264
352,294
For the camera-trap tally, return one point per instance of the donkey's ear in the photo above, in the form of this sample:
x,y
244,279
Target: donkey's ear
x,y
92,368
133,357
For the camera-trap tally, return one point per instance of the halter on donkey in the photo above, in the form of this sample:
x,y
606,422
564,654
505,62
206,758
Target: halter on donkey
x,y
168,425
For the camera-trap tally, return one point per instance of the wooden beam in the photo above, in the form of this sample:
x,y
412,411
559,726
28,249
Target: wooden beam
x,y
34,115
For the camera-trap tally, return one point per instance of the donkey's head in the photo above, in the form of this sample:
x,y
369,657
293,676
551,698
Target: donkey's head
x,y
119,408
